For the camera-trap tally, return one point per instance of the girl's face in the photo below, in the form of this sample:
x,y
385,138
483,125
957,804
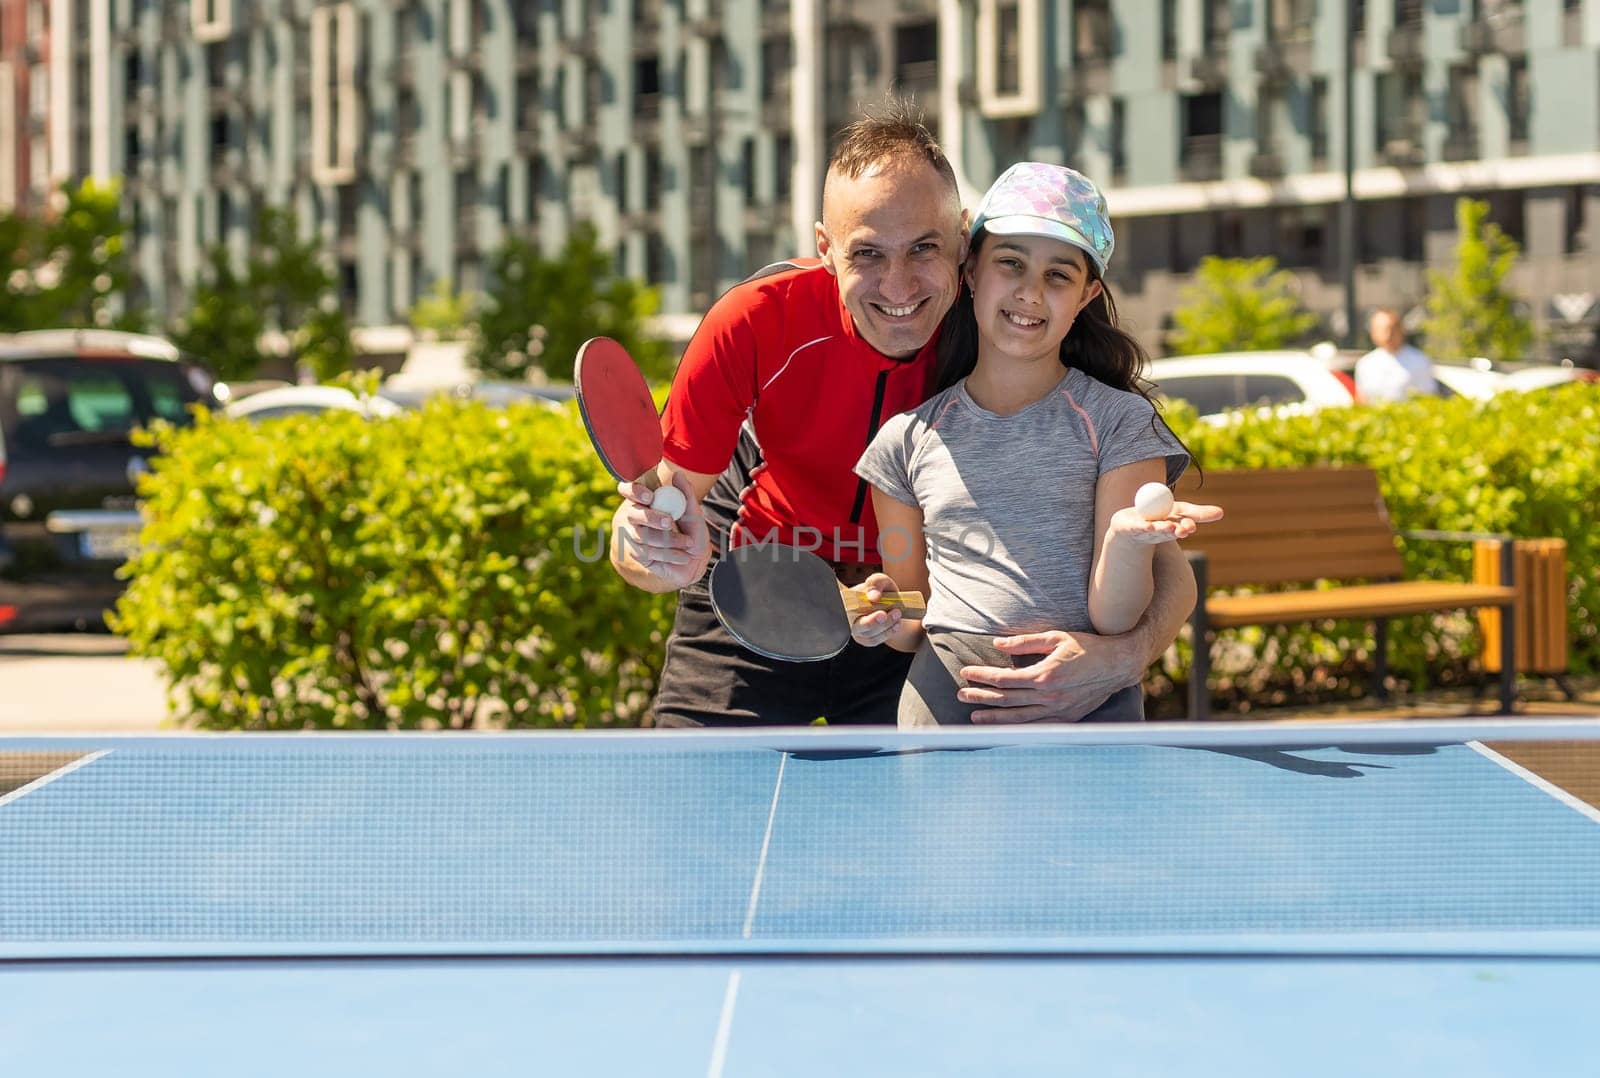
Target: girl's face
x,y
1026,291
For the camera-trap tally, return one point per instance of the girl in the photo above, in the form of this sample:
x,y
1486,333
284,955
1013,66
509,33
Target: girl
x,y
982,493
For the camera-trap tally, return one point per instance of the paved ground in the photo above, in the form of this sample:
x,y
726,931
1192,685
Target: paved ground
x,y
76,683
86,682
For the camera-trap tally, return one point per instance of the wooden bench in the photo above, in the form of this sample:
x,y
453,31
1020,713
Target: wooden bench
x,y
1303,525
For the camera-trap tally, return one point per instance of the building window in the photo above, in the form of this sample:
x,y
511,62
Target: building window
x,y
1577,209
652,179
1201,156
1519,101
776,62
916,59
622,181
647,86
1402,110
747,170
655,258
1008,50
1317,121
782,167
1074,129
1119,138
1461,139
1169,29
1216,24
1092,31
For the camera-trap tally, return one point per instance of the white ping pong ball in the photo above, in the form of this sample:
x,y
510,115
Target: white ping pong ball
x,y
1153,501
669,500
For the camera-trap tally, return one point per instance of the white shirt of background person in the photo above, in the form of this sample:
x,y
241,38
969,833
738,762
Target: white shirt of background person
x,y
1394,370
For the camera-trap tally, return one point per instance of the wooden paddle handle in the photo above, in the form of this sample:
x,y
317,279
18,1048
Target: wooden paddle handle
x,y
909,603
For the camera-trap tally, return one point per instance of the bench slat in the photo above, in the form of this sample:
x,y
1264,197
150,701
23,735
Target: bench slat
x,y
1294,526
1363,601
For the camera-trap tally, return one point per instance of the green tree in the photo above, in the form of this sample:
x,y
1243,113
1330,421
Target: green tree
x,y
1240,304
223,326
283,287
443,314
1471,312
70,269
539,310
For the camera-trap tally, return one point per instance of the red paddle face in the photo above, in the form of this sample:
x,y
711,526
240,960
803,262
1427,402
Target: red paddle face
x,y
617,409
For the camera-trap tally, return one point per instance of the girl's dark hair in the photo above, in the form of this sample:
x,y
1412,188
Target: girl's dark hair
x,y
1095,345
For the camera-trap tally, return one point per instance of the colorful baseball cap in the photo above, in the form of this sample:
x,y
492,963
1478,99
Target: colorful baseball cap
x,y
1032,198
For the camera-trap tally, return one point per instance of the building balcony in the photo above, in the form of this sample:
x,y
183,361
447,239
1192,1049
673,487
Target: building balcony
x,y
1201,158
776,115
919,80
1267,164
1461,144
581,146
469,59
1086,78
775,16
403,150
467,229
227,166
464,149
1502,32
1209,70
1405,46
1402,150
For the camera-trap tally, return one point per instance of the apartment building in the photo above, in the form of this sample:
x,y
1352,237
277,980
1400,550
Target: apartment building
x,y
26,68
413,135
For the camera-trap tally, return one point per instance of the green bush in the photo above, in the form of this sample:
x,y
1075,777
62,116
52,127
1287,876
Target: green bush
x,y
414,572
1527,464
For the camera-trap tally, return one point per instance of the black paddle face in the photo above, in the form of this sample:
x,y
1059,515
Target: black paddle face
x,y
617,409
781,602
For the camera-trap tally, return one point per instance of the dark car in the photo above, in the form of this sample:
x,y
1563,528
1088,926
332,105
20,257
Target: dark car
x,y
68,518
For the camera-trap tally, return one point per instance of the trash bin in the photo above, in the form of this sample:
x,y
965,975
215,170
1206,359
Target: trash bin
x,y
1541,612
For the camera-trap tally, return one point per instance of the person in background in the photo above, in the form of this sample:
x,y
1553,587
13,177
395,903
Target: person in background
x,y
1393,370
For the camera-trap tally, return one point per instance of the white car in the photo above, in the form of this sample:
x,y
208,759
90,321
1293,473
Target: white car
x,y
307,400
1288,382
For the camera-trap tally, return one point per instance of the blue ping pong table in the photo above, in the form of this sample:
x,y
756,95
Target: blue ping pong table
x,y
1240,899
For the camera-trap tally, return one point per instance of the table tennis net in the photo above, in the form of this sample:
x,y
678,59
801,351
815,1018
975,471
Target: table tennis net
x,y
1202,841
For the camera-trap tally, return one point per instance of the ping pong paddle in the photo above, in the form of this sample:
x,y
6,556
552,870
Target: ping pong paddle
x,y
620,416
786,603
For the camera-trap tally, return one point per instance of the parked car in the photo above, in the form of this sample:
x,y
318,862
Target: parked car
x,y
68,516
389,400
307,400
495,393
1286,381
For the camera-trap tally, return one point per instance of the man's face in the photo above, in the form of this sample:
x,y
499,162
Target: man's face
x,y
1386,331
894,238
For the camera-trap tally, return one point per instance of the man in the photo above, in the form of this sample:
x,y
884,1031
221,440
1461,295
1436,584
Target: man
x,y
1393,370
789,377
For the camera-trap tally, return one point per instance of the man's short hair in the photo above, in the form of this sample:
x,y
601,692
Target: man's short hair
x,y
893,130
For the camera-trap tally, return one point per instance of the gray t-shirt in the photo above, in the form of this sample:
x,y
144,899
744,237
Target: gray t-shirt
x,y
1008,501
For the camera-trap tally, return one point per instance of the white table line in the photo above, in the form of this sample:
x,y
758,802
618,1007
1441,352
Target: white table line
x,y
719,1047
1539,781
43,780
766,845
